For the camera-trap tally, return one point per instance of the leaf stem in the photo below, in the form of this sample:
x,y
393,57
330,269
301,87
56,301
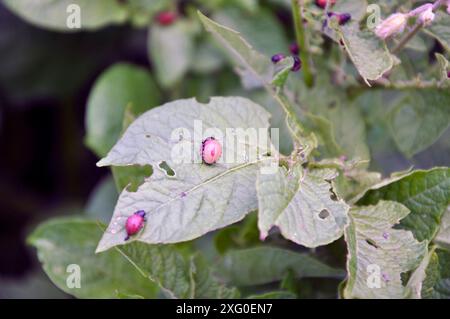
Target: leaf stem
x,y
302,42
408,37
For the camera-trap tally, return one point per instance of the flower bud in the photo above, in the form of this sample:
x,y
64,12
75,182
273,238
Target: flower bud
x,y
294,48
297,64
166,17
393,24
277,57
427,17
343,18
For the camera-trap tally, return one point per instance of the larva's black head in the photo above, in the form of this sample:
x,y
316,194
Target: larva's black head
x,y
140,213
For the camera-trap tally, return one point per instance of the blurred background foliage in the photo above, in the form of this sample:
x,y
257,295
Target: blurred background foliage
x,y
66,96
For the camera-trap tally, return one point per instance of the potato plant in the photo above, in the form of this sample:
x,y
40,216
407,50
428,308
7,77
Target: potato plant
x,y
344,83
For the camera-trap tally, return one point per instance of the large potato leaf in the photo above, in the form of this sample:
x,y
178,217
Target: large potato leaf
x,y
198,198
63,242
302,204
375,248
136,270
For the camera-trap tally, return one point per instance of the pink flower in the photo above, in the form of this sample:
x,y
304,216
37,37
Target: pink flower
x,y
425,13
420,9
392,25
448,6
427,16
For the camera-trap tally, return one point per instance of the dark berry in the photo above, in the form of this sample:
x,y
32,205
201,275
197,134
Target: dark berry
x,y
211,150
277,57
166,17
448,74
343,18
323,3
135,223
297,64
294,48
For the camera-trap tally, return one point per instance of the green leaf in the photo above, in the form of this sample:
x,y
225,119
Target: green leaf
x,y
101,201
353,177
171,50
442,238
178,276
136,270
130,177
425,193
68,241
206,285
331,114
262,29
199,198
302,204
444,68
277,119
440,29
431,280
117,87
262,265
208,59
282,71
244,234
324,130
419,118
349,130
373,242
53,14
255,68
368,53
441,283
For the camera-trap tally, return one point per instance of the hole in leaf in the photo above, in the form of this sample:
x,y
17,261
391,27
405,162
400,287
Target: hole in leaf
x,y
203,99
131,176
324,214
371,243
167,169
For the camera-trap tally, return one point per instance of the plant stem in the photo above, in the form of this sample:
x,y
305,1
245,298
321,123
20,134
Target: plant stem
x,y
408,37
302,42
